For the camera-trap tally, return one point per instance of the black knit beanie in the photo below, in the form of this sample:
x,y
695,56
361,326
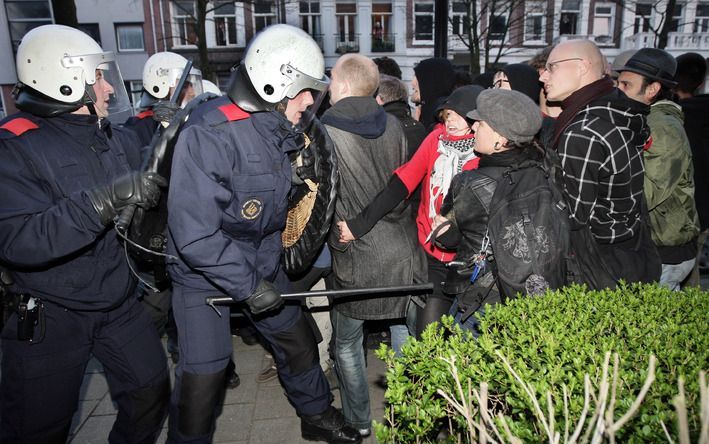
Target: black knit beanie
x,y
523,78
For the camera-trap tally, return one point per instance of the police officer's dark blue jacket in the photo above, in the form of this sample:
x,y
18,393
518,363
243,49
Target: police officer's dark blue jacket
x,y
50,235
227,203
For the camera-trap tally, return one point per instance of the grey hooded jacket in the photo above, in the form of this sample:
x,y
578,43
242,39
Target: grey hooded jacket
x,y
370,144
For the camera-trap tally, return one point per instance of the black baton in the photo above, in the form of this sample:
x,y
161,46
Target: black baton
x,y
370,292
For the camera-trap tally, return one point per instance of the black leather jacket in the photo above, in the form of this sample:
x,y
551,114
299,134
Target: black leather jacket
x,y
467,204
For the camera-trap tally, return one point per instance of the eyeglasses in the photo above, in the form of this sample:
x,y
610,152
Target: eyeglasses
x,y
551,66
498,83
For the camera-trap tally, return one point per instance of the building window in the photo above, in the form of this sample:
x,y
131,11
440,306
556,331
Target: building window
x,y
92,29
701,18
135,90
535,21
603,19
498,27
459,18
224,23
382,37
130,37
643,16
184,16
347,38
23,16
568,21
677,24
423,21
310,20
264,14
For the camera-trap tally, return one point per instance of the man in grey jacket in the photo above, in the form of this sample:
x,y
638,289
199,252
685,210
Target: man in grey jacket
x,y
369,144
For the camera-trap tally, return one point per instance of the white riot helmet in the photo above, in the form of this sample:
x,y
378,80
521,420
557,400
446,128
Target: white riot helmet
x,y
61,64
280,62
161,73
210,87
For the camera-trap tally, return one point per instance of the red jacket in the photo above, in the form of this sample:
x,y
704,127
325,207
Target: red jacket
x,y
419,169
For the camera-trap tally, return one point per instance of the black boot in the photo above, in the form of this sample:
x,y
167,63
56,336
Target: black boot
x,y
329,427
232,379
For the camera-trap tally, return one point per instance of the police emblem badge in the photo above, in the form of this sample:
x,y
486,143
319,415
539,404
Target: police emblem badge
x,y
251,208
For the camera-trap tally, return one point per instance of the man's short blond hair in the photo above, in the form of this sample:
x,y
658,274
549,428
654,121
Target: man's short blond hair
x,y
360,72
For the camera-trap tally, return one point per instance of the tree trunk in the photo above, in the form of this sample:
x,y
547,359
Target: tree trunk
x,y
65,13
664,32
474,38
200,28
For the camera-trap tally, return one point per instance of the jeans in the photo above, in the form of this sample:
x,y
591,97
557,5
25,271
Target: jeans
x,y
673,274
400,332
351,371
471,323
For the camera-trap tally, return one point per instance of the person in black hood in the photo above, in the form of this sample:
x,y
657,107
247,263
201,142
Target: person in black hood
x,y
519,77
691,72
369,144
433,78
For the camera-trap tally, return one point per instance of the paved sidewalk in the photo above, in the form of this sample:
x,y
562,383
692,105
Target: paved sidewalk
x,y
253,413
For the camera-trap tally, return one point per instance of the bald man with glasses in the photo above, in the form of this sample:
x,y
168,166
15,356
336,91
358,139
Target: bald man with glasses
x,y
600,136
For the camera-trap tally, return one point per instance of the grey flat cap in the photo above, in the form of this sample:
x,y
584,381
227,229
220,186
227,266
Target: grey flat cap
x,y
511,114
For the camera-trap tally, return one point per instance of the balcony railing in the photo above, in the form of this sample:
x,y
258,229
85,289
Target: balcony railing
x,y
675,40
383,42
346,43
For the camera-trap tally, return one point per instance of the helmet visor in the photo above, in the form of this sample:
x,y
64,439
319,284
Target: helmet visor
x,y
301,81
193,87
110,88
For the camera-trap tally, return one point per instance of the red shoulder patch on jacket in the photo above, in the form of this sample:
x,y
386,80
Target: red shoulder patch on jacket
x,y
233,112
19,126
144,114
648,144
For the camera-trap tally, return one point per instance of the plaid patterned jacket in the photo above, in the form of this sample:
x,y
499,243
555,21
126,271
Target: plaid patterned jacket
x,y
601,152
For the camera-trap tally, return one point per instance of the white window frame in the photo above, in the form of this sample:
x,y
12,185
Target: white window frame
x,y
611,23
577,12
122,26
461,16
430,14
342,37
226,17
701,22
640,21
497,41
311,20
181,24
268,17
15,39
680,18
536,9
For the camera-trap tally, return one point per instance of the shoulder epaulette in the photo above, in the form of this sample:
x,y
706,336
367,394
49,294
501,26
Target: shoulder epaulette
x,y
144,114
232,112
19,125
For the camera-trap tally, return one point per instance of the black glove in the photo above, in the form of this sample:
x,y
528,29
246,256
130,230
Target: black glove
x,y
266,297
142,189
308,167
165,111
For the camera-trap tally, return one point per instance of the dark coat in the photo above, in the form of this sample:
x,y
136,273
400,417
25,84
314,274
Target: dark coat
x,y
228,199
370,144
51,238
696,124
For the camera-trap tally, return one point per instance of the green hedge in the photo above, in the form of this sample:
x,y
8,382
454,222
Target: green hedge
x,y
551,341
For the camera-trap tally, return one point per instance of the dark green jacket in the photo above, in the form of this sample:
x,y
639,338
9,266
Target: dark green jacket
x,y
669,183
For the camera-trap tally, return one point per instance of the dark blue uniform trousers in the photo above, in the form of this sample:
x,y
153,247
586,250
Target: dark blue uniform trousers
x,y
39,391
204,339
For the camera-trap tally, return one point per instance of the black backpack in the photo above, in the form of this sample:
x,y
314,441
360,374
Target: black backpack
x,y
529,227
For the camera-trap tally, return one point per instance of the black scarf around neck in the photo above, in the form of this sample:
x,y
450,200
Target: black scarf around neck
x,y
577,101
